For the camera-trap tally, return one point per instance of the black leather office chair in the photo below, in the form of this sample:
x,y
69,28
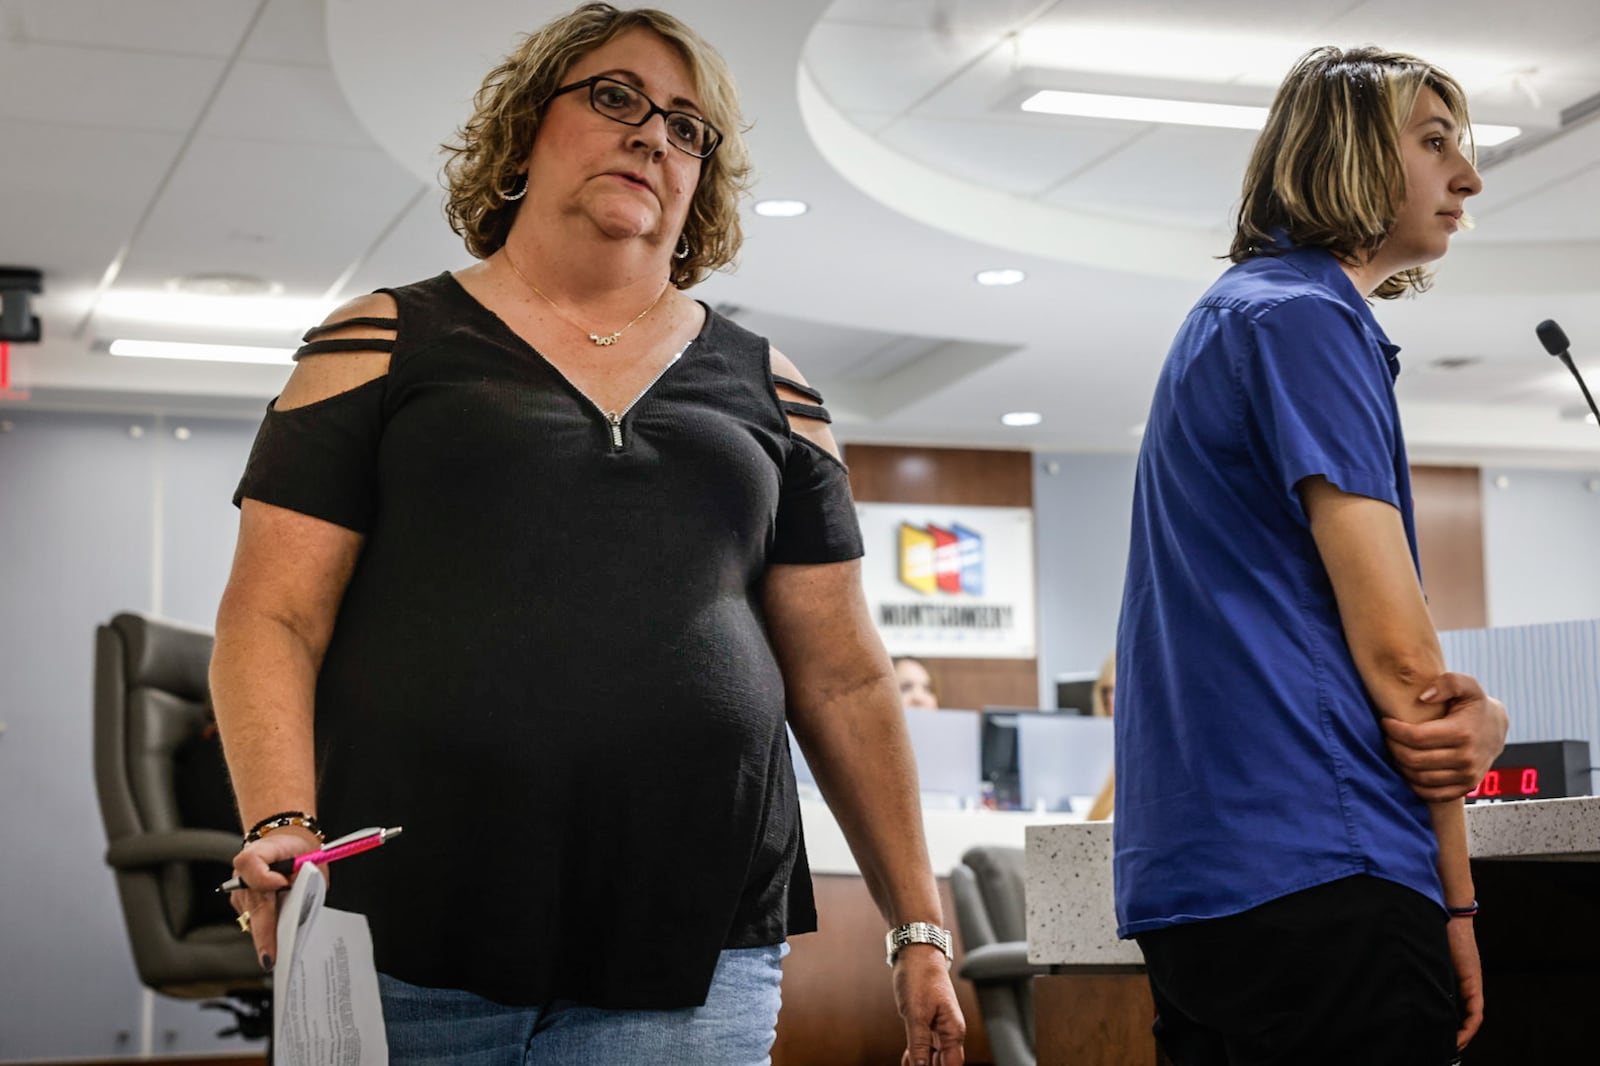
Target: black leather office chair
x,y
151,694
988,888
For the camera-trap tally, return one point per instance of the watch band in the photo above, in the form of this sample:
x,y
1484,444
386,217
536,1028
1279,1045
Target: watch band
x,y
919,933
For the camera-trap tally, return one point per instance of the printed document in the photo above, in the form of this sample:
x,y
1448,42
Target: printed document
x,y
324,987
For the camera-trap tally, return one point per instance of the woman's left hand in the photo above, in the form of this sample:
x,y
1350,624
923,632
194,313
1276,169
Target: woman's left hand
x,y
935,1027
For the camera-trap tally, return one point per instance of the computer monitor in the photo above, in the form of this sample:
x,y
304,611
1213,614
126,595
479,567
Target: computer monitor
x,y
1075,697
946,746
1062,759
998,756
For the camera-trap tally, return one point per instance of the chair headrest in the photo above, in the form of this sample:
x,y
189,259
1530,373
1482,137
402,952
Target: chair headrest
x,y
165,655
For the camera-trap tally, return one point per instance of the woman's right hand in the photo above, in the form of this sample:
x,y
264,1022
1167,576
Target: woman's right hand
x,y
260,899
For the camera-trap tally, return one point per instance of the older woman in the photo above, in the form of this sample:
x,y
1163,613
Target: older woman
x,y
536,559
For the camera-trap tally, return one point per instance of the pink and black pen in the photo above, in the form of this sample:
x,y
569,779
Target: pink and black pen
x,y
354,844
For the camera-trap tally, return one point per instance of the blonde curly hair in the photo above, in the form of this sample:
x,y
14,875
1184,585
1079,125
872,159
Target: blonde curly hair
x,y
507,110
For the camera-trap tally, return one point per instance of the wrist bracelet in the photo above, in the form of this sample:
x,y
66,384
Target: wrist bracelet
x,y
918,933
282,820
1464,912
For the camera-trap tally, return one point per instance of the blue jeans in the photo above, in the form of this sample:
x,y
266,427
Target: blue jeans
x,y
736,1027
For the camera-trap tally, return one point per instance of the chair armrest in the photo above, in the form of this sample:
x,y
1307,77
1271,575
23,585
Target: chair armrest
x,y
178,845
1007,961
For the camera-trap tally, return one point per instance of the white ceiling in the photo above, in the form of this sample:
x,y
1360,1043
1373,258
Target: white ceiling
x,y
296,141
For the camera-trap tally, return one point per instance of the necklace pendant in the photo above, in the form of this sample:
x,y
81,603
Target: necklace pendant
x,y
605,342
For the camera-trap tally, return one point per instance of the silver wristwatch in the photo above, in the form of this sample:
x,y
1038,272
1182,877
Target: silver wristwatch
x,y
919,933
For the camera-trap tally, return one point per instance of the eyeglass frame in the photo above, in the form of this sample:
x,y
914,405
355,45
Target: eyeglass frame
x,y
655,109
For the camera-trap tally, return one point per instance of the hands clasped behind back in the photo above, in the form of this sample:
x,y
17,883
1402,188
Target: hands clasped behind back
x,y
1445,758
260,900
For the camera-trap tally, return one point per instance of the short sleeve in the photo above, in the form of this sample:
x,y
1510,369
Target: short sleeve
x,y
816,516
320,459
1321,398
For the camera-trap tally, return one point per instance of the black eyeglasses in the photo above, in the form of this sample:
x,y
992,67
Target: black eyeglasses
x,y
621,102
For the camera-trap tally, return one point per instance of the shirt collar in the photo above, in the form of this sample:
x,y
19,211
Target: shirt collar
x,y
1320,266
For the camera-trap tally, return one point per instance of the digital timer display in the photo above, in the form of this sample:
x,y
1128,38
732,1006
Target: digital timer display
x,y
1508,782
1541,769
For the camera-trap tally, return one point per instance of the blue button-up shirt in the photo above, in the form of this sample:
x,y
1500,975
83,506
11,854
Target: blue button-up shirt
x,y
1249,760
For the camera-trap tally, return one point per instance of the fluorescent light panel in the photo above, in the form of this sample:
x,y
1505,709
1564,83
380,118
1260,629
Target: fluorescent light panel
x,y
213,353
293,315
1190,113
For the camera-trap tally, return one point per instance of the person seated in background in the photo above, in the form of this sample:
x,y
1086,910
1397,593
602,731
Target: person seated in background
x,y
917,689
1104,704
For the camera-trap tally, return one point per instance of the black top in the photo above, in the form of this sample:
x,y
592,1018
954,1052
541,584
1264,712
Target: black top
x,y
551,664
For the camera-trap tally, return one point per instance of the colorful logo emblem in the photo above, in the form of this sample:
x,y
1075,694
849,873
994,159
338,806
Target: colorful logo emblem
x,y
937,559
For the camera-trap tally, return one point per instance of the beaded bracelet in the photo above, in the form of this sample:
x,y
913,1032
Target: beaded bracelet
x,y
1464,912
282,820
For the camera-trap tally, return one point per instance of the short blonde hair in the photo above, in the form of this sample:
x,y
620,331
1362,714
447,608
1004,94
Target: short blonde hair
x,y
508,108
1327,169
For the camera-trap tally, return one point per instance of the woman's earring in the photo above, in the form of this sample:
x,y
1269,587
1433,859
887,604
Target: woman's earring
x,y
519,185
683,248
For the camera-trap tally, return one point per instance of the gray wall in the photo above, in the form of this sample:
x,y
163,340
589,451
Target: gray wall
x,y
1540,532
93,520
1082,506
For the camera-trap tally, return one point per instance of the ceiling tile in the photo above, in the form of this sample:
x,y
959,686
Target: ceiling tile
x,y
189,27
70,200
938,16
289,31
1013,155
102,88
420,245
244,206
873,68
1564,210
291,104
1173,172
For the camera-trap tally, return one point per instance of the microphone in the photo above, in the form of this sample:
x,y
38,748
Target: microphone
x,y
1554,339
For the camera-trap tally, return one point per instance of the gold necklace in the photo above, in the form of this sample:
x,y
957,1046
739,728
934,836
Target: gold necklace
x,y
603,342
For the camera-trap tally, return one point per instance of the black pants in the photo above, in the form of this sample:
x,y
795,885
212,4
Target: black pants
x,y
1354,972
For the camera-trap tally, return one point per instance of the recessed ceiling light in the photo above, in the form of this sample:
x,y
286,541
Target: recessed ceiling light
x,y
214,353
1021,418
781,208
1006,276
1191,113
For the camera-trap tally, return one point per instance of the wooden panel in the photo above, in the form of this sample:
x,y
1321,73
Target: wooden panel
x,y
969,477
974,684
1449,509
838,1003
1095,1020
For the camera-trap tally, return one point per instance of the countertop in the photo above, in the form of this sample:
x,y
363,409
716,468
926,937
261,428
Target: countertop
x,y
1071,916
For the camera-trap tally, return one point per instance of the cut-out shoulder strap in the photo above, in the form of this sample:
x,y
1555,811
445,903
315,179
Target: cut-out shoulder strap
x,y
365,329
360,320
806,410
805,390
348,344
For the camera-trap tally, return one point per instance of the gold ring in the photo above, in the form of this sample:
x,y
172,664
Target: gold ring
x,y
244,921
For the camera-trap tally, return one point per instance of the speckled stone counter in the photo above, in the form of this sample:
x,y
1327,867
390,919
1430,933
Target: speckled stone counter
x,y
1071,918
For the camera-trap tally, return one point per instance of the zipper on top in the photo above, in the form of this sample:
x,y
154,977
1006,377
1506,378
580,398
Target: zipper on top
x,y
614,418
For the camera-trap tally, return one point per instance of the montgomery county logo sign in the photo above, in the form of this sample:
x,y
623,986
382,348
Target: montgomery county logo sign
x,y
941,559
